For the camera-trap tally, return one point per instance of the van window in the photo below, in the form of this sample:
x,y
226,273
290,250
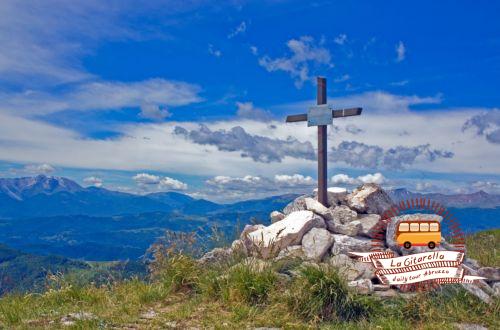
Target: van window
x,y
424,226
434,226
404,226
414,226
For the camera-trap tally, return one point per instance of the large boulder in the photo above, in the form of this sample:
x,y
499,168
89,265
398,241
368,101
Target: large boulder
x,y
344,244
343,214
390,237
318,208
350,229
276,216
369,198
370,226
351,269
298,204
316,243
269,241
336,195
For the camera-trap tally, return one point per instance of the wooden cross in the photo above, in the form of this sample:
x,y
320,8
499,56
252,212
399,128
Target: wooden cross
x,y
321,116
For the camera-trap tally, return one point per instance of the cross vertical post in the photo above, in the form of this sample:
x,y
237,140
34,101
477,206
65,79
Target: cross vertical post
x,y
322,115
322,147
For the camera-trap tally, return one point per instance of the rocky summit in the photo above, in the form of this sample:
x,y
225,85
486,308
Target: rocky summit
x,y
314,233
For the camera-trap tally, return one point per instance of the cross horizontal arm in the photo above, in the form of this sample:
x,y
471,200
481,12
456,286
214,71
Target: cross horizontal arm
x,y
295,118
346,112
335,114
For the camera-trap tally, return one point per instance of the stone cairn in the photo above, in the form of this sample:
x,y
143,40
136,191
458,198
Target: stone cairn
x,y
313,233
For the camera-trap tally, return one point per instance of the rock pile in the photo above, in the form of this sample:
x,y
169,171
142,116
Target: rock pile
x,y
308,230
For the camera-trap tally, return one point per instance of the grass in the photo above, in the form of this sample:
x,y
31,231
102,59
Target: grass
x,y
483,247
243,293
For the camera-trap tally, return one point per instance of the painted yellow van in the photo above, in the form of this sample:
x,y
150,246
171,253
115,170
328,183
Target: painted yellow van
x,y
418,233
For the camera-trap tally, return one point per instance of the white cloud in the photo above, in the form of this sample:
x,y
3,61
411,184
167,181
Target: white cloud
x,y
294,180
254,50
154,112
342,78
304,51
400,52
248,110
93,181
213,51
343,179
340,39
145,178
377,178
37,169
103,95
152,146
172,184
151,182
241,28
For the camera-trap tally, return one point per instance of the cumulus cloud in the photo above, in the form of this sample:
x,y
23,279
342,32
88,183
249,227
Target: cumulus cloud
x,y
241,28
259,148
362,155
154,182
400,52
344,179
340,179
248,110
485,124
38,169
295,180
250,186
168,183
377,178
303,52
93,181
146,179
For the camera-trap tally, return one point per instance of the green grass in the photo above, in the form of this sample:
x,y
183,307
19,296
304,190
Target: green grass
x,y
483,247
241,294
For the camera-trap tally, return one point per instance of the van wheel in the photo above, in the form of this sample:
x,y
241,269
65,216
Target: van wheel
x,y
431,245
407,245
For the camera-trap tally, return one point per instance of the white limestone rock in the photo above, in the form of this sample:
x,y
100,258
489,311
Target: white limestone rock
x,y
269,241
298,204
345,244
350,229
316,243
343,214
369,198
276,216
370,226
336,195
318,208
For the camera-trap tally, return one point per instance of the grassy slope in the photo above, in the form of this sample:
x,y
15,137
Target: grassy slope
x,y
239,295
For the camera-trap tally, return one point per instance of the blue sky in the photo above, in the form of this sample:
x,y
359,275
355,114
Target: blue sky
x,y
191,96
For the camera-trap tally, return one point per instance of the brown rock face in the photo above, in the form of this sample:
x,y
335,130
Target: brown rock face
x,y
369,198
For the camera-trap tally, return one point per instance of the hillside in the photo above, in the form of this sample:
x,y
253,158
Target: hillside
x,y
22,271
181,294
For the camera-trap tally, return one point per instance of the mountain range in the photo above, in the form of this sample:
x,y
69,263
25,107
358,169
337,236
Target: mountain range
x,y
53,215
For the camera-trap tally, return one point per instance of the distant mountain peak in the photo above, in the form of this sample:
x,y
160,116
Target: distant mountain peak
x,y
20,188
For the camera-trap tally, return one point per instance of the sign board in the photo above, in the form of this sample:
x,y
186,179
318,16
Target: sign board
x,y
319,115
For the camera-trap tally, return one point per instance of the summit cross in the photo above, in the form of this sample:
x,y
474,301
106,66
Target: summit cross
x,y
322,115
